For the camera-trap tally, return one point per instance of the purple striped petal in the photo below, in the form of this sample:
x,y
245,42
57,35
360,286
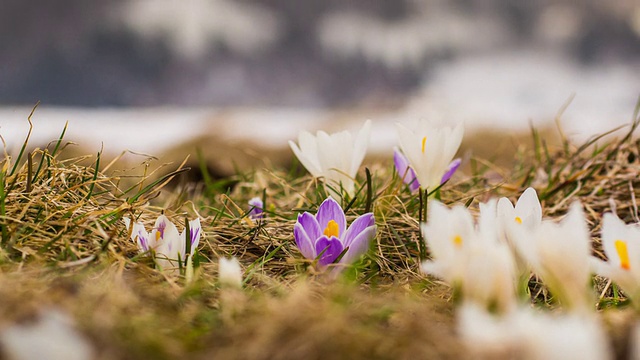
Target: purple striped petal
x,y
357,226
161,225
453,166
310,225
304,243
331,210
359,245
143,240
195,230
401,162
332,248
405,171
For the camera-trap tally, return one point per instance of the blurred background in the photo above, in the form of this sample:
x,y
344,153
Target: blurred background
x,y
257,71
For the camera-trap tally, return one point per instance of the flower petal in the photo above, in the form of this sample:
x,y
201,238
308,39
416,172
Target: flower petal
x,y
310,225
404,170
359,245
256,208
453,166
169,239
331,210
305,245
360,148
305,160
127,222
195,230
356,227
141,237
330,248
528,208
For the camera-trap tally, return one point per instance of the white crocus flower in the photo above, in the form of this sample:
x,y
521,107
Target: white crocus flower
x,y
621,244
531,334
560,254
429,150
229,272
468,258
335,157
525,215
527,211
446,233
165,241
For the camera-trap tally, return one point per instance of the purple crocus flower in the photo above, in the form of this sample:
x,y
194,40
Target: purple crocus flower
x,y
408,176
326,234
256,208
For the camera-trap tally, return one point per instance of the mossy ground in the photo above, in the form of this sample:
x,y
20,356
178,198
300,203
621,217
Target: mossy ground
x,y
64,245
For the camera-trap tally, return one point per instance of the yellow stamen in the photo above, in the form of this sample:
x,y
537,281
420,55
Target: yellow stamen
x,y
424,142
332,229
518,220
623,254
158,235
457,240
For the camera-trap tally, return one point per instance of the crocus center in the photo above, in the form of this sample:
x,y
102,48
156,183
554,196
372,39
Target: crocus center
x,y
424,143
518,220
457,240
623,254
160,231
332,229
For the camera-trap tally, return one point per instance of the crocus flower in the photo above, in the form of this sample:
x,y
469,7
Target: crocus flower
x,y
621,244
256,209
531,334
408,176
560,254
326,234
527,211
230,272
335,158
430,151
164,241
469,258
527,215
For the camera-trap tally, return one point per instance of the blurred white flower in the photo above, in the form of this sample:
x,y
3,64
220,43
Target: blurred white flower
x,y
621,244
230,272
560,253
527,214
52,336
470,259
430,150
335,158
527,211
531,335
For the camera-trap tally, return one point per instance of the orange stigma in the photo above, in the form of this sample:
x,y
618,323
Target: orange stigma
x,y
332,229
623,254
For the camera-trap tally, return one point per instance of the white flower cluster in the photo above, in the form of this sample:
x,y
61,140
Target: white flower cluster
x,y
490,261
427,151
